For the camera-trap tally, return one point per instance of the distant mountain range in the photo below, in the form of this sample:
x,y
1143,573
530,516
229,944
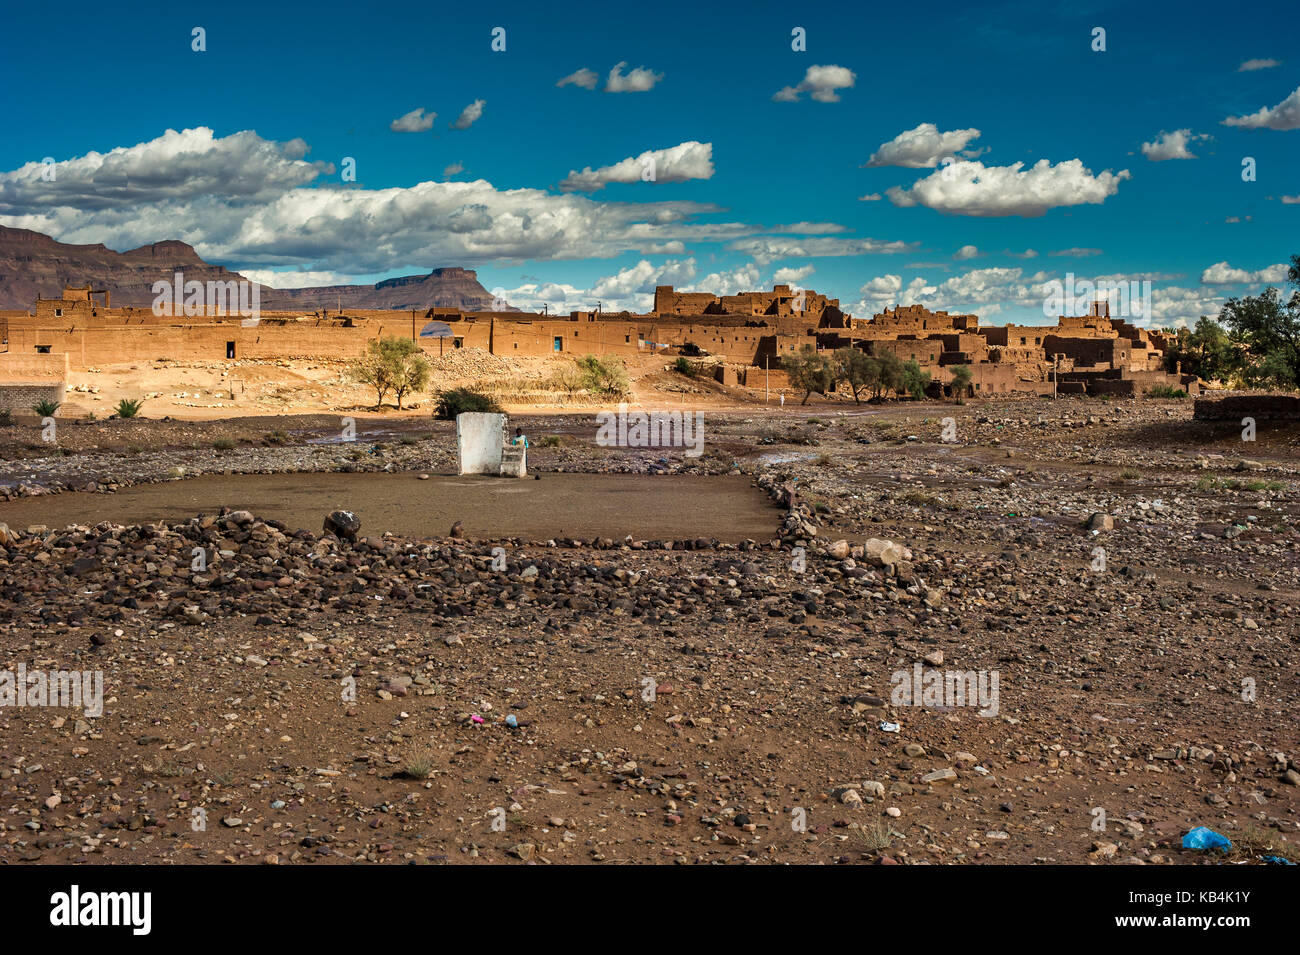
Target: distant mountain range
x,y
32,264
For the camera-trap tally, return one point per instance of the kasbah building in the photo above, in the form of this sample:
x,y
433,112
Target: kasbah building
x,y
740,338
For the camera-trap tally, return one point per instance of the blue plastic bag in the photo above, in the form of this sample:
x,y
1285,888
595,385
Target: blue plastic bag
x,y
1202,838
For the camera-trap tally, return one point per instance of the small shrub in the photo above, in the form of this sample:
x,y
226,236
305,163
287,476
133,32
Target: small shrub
x,y
45,408
1264,485
223,444
566,379
878,836
1129,474
276,437
6,418
604,376
129,407
408,440
419,765
550,441
919,499
684,367
461,400
1166,391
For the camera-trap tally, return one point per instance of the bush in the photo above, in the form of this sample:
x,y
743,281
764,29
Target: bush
x,y
605,376
961,378
129,407
565,379
223,444
276,437
392,363
460,400
1166,391
684,367
914,380
45,408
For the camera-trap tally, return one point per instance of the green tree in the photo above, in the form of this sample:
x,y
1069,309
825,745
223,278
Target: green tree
x,y
857,368
604,376
1269,327
914,380
890,377
961,379
810,370
391,363
1206,351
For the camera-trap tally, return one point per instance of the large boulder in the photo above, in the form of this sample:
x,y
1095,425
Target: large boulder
x,y
343,524
882,553
1101,522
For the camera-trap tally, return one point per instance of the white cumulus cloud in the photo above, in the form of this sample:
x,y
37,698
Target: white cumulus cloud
x,y
922,147
469,115
1285,115
689,160
792,275
1221,273
970,188
639,80
767,249
822,82
1171,145
584,77
416,121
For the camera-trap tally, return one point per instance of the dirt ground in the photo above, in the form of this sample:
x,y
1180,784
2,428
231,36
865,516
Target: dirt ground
x,y
197,391
1128,574
425,506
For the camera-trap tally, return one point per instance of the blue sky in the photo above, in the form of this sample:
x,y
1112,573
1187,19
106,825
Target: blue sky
x,y
752,184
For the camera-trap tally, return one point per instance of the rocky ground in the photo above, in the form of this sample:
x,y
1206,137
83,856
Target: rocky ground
x,y
1129,577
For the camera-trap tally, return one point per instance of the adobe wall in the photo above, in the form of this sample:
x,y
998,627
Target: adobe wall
x,y
27,379
924,351
19,398
1113,352
1259,407
22,368
749,328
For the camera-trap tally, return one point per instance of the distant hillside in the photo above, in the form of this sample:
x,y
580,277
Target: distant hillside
x,y
34,264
